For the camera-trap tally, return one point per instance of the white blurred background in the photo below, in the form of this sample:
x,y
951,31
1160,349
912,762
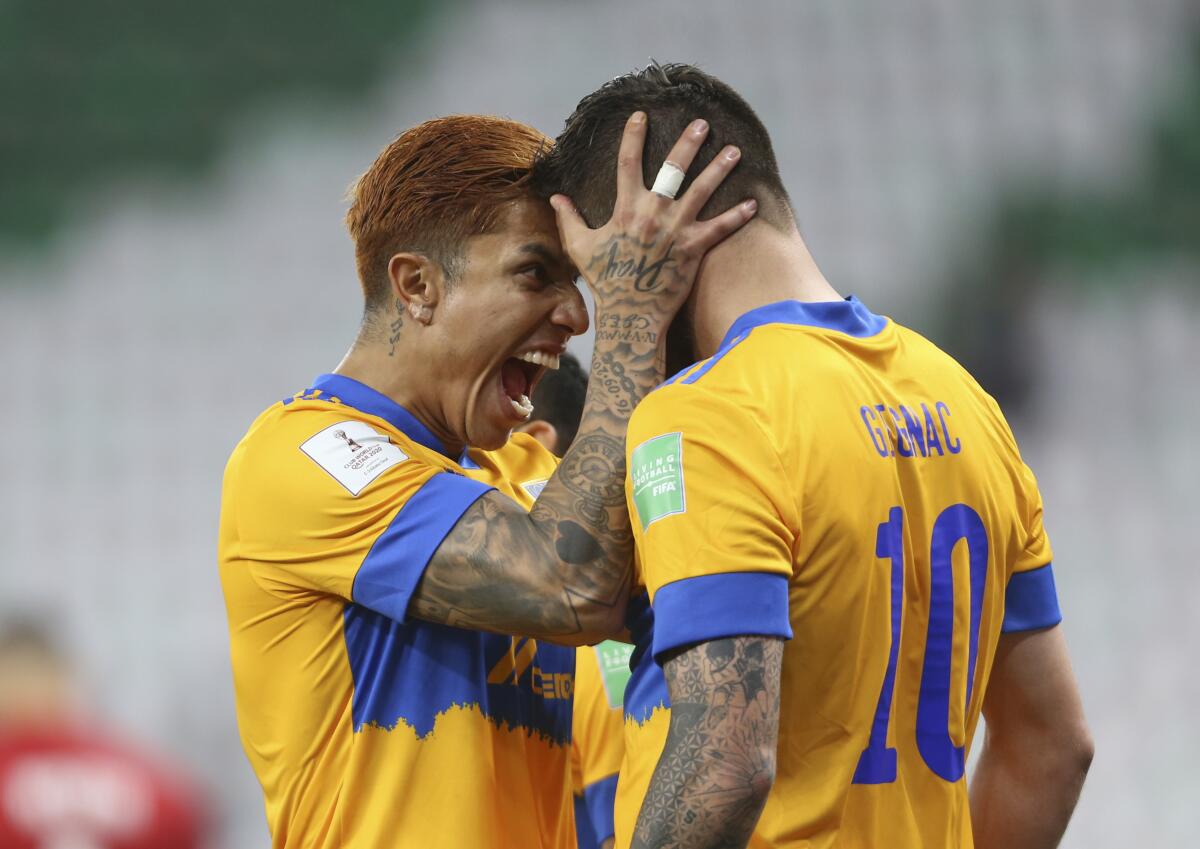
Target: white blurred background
x,y
1020,181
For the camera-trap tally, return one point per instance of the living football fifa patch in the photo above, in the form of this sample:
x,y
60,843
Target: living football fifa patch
x,y
353,453
656,472
613,659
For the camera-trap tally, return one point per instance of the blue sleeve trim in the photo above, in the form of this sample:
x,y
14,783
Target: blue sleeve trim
x,y
601,799
583,825
392,568
1031,601
712,607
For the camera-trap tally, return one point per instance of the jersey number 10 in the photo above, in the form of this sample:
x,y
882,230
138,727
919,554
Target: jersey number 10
x,y
877,765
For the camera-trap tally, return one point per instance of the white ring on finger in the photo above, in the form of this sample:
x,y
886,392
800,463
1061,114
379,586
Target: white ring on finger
x,y
668,181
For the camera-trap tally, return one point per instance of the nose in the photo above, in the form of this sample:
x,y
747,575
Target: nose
x,y
571,312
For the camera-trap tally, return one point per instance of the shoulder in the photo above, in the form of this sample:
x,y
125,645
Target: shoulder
x,y
735,356
937,361
301,450
708,406
525,449
522,458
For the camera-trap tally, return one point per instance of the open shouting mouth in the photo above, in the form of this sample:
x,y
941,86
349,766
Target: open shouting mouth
x,y
520,374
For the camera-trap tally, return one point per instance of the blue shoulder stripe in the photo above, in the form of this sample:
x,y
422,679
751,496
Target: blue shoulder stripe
x,y
697,370
706,367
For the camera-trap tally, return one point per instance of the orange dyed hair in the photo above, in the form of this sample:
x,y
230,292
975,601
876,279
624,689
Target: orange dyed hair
x,y
433,187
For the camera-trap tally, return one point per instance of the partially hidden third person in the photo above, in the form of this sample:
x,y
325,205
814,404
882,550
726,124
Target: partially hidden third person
x,y
843,550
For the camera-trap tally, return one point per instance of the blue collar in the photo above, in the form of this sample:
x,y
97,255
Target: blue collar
x,y
365,399
849,316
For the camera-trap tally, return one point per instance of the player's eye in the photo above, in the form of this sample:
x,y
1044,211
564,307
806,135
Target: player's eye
x,y
535,274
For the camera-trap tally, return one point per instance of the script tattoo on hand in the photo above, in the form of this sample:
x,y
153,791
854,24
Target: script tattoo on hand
x,y
612,262
718,763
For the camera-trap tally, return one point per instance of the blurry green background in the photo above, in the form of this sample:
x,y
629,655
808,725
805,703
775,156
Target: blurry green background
x,y
1019,181
95,89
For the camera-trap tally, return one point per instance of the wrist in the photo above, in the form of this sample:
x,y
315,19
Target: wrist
x,y
627,326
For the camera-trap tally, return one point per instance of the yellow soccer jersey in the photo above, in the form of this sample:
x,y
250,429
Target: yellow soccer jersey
x,y
597,741
368,729
833,478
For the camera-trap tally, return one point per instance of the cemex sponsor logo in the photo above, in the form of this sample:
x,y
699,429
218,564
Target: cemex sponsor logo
x,y
513,665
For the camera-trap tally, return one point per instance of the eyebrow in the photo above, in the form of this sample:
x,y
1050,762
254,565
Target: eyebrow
x,y
552,258
543,253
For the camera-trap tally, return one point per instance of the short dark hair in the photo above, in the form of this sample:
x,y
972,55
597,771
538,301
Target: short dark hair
x,y
558,399
582,163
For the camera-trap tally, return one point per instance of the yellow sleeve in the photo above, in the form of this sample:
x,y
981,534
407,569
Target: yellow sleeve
x,y
599,724
714,518
326,503
1037,552
1031,595
599,730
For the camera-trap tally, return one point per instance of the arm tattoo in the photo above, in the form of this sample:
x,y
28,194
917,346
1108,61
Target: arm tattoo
x,y
563,570
718,763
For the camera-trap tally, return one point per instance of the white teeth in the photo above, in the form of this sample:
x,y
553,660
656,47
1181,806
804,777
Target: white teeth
x,y
524,407
540,358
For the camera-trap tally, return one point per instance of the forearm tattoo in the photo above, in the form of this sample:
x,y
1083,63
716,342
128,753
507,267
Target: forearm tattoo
x,y
719,759
567,564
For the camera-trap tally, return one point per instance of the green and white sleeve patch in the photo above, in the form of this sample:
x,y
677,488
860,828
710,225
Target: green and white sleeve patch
x,y
656,471
613,659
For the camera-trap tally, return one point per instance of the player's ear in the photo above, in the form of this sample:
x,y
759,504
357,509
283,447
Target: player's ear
x,y
416,282
542,431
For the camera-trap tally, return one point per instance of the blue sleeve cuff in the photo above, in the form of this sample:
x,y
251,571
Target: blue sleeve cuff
x,y
584,839
601,799
392,568
1031,601
713,607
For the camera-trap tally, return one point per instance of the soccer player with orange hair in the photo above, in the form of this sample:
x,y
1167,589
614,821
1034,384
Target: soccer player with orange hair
x,y
381,536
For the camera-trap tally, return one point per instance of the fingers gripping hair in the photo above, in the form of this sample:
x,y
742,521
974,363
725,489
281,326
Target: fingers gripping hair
x,y
582,162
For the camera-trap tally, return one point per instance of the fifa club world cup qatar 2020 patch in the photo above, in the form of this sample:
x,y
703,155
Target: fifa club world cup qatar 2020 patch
x,y
656,471
353,453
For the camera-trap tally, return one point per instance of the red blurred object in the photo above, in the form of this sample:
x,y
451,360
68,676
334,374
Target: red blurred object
x,y
73,788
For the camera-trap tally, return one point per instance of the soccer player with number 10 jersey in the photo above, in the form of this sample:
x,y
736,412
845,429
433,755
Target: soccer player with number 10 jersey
x,y
842,551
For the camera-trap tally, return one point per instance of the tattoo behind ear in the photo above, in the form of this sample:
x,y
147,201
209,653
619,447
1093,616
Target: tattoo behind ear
x,y
397,323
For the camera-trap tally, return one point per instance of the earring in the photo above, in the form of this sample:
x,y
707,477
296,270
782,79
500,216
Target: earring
x,y
420,313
